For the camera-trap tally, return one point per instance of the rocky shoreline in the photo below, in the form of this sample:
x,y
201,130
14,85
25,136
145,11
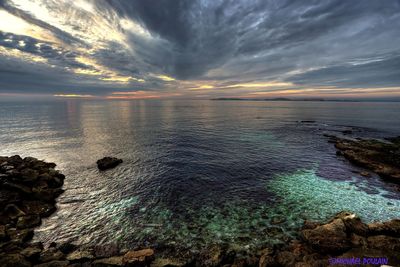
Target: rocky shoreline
x,y
381,157
29,188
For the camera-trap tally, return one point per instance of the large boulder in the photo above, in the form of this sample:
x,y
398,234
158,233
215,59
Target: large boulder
x,y
385,228
330,237
108,163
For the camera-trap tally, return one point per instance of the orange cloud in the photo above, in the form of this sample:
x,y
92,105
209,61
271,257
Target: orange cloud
x,y
139,95
73,95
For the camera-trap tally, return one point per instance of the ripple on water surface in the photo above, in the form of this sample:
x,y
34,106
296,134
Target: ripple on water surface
x,y
241,224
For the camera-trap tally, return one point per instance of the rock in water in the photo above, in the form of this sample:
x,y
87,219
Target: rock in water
x,y
108,163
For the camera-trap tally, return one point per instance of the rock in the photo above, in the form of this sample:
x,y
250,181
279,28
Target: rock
x,y
391,228
51,254
277,220
106,251
20,236
108,262
13,211
267,258
108,163
46,194
309,225
80,255
28,221
166,262
353,223
14,260
380,157
365,174
358,241
67,247
53,264
32,252
384,243
217,255
18,187
29,175
139,257
286,258
3,233
328,238
37,207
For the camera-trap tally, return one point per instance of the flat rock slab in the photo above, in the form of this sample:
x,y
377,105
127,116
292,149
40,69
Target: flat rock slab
x,y
108,163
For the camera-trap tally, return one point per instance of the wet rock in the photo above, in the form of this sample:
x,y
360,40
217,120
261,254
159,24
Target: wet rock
x,y
32,252
51,254
166,262
67,247
217,256
358,241
29,175
383,242
391,228
108,262
380,157
277,220
106,251
365,174
37,207
18,187
329,237
53,264
28,221
13,211
267,258
353,223
80,255
138,257
3,233
309,225
108,163
286,258
20,236
14,260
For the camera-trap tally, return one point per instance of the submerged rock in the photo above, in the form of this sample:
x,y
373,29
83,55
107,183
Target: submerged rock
x,y
108,163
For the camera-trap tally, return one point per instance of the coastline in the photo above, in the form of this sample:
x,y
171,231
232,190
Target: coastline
x,y
29,188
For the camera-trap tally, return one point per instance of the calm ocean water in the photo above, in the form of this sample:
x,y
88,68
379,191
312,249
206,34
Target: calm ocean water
x,y
198,173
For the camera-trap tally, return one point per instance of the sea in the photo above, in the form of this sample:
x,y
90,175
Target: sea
x,y
199,173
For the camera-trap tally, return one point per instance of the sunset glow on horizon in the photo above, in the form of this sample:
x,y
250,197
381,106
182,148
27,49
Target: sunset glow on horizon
x,y
95,48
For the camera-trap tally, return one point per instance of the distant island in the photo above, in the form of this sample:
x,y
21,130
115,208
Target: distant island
x,y
303,99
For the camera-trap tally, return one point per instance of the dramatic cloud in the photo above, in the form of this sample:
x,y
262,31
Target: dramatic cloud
x,y
205,48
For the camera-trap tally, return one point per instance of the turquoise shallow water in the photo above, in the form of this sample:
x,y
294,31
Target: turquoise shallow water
x,y
198,173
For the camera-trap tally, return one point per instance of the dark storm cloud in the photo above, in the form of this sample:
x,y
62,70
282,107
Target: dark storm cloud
x,y
308,43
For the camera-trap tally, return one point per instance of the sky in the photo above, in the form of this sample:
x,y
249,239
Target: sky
x,y
139,49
